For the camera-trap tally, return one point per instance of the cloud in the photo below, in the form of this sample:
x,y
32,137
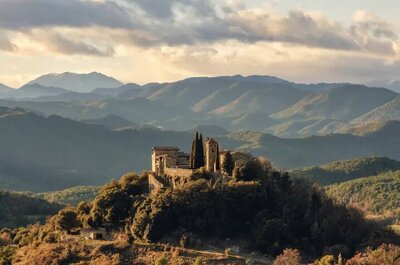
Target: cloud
x,y
27,14
372,33
5,43
57,43
156,23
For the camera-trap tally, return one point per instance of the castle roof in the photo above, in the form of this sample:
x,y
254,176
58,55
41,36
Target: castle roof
x,y
165,148
211,140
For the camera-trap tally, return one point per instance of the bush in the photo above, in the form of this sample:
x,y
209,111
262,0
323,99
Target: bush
x,y
385,254
325,260
161,261
198,261
288,257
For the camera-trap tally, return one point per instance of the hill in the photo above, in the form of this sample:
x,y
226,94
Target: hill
x,y
340,103
264,103
77,82
112,122
318,150
376,195
340,171
5,90
71,153
209,130
265,213
113,92
35,90
74,153
71,196
388,111
20,210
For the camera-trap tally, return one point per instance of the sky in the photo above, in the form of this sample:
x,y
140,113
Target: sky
x,y
145,41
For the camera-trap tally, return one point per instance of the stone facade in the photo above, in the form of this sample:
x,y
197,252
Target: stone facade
x,y
212,155
171,161
171,167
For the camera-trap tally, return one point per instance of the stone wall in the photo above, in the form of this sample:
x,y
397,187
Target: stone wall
x,y
181,172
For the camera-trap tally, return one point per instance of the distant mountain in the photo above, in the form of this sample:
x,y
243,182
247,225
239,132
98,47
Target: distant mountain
x,y
264,103
342,103
221,96
5,90
77,82
139,109
209,130
34,91
70,97
393,84
363,129
344,170
113,92
317,150
387,111
112,122
74,153
71,153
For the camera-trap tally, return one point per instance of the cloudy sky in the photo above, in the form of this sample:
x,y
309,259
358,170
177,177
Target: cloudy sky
x,y
164,40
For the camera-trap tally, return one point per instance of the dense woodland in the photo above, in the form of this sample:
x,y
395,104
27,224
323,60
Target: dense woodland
x,y
20,210
377,195
344,170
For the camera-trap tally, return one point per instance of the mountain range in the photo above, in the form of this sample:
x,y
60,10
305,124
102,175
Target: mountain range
x,y
262,103
41,153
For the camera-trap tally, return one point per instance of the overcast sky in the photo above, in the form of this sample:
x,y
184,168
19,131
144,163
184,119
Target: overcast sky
x,y
164,40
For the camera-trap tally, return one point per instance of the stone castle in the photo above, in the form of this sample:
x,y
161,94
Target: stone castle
x,y
172,161
172,167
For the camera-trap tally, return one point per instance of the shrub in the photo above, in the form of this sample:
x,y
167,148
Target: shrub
x,y
288,257
325,260
385,254
161,261
198,261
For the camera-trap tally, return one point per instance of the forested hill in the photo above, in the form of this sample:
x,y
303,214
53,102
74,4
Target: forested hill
x,y
42,153
344,170
376,195
19,210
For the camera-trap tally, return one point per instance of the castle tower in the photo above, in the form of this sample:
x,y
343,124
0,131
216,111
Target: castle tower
x,y
212,155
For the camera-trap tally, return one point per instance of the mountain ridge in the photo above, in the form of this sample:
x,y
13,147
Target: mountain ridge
x,y
77,82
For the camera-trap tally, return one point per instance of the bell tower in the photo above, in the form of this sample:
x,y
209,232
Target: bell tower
x,y
212,155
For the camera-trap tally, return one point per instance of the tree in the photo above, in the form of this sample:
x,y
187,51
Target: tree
x,y
200,155
66,220
228,164
288,257
197,154
251,170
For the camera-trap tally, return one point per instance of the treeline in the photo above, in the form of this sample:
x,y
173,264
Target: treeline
x,y
344,170
377,195
20,210
70,196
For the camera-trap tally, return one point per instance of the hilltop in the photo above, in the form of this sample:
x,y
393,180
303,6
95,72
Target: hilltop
x,y
375,195
264,211
344,170
77,82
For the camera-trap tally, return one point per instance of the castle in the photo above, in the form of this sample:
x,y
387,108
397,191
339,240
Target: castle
x,y
172,161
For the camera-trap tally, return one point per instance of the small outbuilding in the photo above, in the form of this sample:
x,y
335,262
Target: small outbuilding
x,y
92,233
